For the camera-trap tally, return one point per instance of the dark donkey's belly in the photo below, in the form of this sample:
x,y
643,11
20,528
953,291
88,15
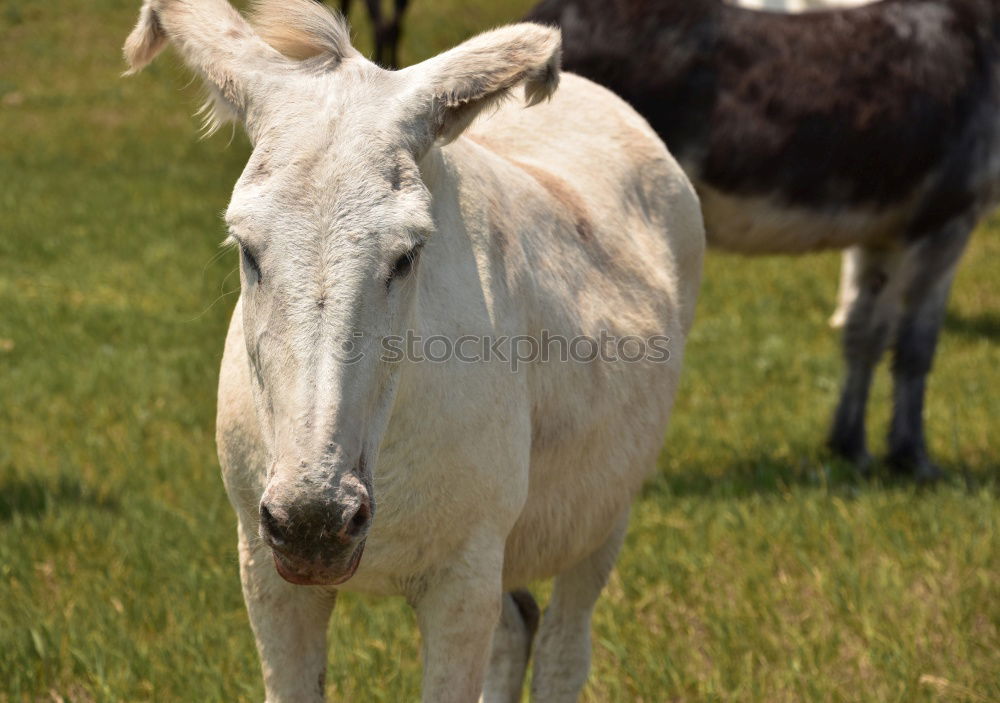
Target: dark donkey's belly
x,y
761,224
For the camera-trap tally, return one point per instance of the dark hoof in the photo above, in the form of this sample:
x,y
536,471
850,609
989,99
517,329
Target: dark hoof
x,y
858,456
917,467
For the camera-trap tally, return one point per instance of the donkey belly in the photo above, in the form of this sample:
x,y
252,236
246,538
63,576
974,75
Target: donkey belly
x,y
590,455
764,225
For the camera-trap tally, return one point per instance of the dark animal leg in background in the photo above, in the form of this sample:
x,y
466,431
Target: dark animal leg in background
x,y
907,446
378,28
345,7
847,437
527,606
929,268
387,34
870,325
394,32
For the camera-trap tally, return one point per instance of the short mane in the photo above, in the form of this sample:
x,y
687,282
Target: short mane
x,y
302,29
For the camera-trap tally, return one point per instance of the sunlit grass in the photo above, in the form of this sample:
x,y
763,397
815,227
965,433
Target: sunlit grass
x,y
756,569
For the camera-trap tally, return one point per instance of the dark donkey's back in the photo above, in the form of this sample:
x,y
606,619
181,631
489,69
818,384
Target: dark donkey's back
x,y
874,127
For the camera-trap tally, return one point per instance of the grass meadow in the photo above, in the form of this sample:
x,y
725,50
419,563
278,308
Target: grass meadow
x,y
756,569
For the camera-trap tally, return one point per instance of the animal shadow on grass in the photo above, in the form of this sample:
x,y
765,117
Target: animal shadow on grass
x,y
34,495
984,324
762,474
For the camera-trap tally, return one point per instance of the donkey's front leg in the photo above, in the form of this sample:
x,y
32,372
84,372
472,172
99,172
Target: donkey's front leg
x,y
457,613
871,323
289,623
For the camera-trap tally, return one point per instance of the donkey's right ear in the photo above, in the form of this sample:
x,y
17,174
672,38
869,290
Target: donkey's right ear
x,y
482,71
214,40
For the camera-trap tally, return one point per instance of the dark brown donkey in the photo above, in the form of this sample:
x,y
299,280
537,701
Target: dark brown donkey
x,y
876,127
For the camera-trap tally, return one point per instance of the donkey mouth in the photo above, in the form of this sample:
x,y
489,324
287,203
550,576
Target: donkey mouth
x,y
303,573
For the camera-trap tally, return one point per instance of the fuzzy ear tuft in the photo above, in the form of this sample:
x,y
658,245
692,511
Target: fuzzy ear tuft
x,y
481,72
145,42
302,29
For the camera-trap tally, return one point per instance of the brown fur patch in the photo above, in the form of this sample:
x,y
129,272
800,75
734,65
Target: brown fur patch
x,y
301,29
565,195
500,238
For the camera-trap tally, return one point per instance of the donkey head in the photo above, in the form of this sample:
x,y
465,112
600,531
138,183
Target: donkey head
x,y
330,215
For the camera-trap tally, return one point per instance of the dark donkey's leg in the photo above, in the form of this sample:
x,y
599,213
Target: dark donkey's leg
x,y
927,270
871,322
394,32
378,28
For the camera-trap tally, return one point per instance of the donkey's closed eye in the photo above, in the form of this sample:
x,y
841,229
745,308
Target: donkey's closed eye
x,y
250,265
403,265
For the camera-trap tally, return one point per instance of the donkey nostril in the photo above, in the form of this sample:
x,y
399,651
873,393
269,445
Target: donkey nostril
x,y
360,518
359,522
270,525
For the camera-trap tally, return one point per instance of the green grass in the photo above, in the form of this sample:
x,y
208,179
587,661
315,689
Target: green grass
x,y
756,569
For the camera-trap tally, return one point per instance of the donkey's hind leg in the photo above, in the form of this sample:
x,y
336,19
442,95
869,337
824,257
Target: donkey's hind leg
x,y
926,273
870,327
562,659
511,648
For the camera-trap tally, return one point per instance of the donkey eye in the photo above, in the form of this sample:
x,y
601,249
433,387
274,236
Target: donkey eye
x,y
250,264
403,265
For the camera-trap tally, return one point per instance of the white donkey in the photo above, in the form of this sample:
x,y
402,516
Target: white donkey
x,y
369,209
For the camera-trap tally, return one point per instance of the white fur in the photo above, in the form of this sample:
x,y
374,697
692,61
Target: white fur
x,y
797,5
569,217
850,286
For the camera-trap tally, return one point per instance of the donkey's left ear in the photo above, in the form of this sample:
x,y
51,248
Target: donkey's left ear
x,y
482,71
